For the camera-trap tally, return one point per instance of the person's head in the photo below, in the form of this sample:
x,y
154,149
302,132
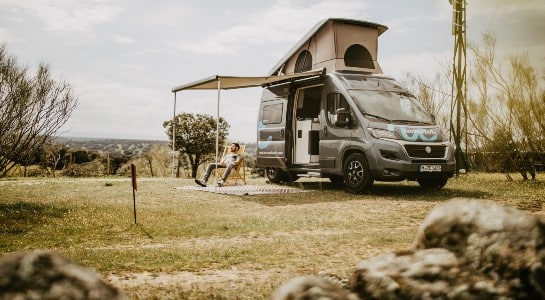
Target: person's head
x,y
235,147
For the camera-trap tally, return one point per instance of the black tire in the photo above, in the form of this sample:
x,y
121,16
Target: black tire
x,y
336,179
357,177
274,175
290,177
432,183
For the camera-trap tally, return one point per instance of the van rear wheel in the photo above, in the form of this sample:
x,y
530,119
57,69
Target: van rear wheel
x,y
357,176
274,175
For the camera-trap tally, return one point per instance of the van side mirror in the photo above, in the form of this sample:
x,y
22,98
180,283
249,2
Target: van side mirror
x,y
343,117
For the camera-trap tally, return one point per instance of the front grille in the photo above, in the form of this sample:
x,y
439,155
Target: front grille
x,y
419,151
429,161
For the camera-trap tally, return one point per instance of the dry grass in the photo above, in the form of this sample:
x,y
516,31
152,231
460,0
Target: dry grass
x,y
195,245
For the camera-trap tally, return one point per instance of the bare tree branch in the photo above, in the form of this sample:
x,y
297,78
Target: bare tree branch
x,y
32,109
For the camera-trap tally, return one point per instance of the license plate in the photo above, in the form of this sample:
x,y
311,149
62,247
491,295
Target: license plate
x,y
430,168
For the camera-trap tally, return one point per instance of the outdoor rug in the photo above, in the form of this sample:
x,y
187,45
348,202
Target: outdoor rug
x,y
245,189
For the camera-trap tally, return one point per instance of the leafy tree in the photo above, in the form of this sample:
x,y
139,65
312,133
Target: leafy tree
x,y
159,160
32,109
117,160
50,157
196,136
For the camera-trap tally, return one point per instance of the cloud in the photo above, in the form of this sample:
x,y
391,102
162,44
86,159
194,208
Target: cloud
x,y
138,110
426,64
208,46
4,35
67,16
124,40
284,21
499,8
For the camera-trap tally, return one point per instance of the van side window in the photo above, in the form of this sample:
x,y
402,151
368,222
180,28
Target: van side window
x,y
303,62
334,102
272,114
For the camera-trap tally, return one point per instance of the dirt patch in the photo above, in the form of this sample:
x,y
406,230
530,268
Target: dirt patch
x,y
129,280
225,242
242,275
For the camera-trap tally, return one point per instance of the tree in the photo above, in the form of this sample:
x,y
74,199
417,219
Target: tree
x,y
32,109
507,110
50,156
196,136
505,105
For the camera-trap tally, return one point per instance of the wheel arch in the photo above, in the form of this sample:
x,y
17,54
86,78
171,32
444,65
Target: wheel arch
x,y
350,151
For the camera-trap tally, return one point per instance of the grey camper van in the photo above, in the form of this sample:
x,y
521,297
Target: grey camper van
x,y
327,110
351,123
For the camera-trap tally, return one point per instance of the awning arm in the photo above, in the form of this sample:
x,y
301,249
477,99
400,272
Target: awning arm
x,y
236,82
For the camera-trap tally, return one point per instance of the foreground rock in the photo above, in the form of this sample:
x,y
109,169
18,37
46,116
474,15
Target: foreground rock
x,y
465,249
500,243
45,275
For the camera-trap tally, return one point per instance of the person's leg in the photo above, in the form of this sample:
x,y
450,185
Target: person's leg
x,y
211,167
228,169
202,182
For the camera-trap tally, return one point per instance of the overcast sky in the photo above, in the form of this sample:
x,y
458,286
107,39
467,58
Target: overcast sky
x,y
123,57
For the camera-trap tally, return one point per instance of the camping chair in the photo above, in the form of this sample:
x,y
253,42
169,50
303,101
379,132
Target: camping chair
x,y
238,172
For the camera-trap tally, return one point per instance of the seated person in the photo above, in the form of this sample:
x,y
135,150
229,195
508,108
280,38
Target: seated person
x,y
229,161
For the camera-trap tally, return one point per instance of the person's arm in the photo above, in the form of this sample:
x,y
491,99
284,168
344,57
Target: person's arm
x,y
239,159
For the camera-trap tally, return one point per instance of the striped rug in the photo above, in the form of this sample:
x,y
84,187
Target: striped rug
x,y
245,189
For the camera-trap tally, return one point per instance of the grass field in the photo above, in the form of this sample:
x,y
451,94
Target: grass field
x,y
198,245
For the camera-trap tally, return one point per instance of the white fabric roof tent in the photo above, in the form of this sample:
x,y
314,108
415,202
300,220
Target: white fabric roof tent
x,y
219,82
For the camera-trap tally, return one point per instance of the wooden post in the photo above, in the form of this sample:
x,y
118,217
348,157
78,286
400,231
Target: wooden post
x,y
107,164
134,188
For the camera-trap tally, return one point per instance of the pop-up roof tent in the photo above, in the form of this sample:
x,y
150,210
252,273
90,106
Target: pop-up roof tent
x,y
335,44
332,44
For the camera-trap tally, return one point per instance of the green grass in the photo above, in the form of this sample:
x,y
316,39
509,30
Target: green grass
x,y
197,245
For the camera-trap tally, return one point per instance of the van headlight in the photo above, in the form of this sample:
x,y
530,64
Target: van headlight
x,y
383,134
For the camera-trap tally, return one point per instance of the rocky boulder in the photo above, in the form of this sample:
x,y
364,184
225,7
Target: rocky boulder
x,y
46,275
464,249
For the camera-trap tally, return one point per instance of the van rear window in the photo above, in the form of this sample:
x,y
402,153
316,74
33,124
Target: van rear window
x,y
272,114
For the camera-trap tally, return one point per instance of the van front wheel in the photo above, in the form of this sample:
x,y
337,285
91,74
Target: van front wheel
x,y
357,177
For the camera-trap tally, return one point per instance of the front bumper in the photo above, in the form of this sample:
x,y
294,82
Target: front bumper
x,y
393,160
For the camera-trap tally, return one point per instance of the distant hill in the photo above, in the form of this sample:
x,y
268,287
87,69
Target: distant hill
x,y
123,146
128,147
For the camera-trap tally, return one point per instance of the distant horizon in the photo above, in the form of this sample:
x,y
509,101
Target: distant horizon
x,y
106,138
94,138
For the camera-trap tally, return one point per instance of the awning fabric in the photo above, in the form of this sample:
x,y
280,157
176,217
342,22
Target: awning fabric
x,y
236,82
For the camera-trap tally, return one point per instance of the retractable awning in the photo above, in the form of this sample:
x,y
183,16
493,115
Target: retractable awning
x,y
236,82
220,82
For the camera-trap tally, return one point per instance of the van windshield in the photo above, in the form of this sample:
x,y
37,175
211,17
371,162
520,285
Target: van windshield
x,y
391,107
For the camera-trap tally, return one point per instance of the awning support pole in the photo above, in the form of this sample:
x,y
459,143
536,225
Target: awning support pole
x,y
218,125
174,137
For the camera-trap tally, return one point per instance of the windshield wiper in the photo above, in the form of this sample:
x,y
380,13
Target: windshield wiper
x,y
411,122
377,117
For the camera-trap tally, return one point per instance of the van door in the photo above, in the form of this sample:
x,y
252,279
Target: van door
x,y
271,134
336,133
306,126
